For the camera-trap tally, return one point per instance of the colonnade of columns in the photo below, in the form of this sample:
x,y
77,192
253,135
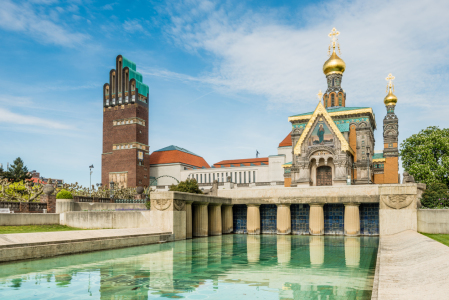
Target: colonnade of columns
x,y
211,219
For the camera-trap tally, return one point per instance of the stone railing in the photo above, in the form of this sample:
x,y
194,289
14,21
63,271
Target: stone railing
x,y
279,183
242,184
24,207
263,183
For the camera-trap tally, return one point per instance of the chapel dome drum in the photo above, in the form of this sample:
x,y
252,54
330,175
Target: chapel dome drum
x,y
334,65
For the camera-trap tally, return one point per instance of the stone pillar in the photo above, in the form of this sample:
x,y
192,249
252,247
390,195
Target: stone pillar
x,y
352,219
316,219
227,219
253,248
189,224
352,251
253,219
200,220
284,248
51,202
215,219
284,221
316,248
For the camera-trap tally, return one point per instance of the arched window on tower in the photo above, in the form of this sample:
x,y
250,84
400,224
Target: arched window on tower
x,y
333,82
326,97
340,99
332,99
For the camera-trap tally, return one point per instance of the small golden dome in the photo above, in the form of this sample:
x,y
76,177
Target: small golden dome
x,y
390,99
334,65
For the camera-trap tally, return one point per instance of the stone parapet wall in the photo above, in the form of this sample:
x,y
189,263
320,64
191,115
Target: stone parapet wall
x,y
28,219
434,221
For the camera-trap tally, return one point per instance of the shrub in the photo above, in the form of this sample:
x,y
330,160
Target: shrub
x,y
63,194
435,196
188,186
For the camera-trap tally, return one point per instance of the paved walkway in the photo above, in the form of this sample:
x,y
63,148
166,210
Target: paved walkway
x,y
412,266
40,238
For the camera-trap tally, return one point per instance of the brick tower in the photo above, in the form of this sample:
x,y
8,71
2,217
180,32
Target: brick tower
x,y
391,133
125,158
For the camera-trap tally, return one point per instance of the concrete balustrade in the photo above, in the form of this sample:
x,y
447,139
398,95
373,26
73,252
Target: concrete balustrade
x,y
284,220
316,219
352,219
200,220
253,219
215,224
189,224
227,219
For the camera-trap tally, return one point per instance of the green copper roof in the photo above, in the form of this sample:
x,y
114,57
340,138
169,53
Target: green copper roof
x,y
173,147
378,155
343,127
331,110
133,74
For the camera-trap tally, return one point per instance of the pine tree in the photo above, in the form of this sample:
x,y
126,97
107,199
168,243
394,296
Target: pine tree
x,y
17,171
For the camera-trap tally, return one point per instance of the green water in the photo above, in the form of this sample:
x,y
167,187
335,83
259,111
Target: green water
x,y
223,267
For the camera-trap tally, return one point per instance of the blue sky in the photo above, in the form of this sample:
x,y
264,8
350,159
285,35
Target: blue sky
x,y
223,75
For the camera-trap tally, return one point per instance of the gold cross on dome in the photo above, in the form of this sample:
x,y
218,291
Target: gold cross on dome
x,y
320,94
390,79
333,35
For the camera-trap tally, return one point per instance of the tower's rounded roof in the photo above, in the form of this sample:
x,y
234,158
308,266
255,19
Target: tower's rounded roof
x,y
390,99
334,65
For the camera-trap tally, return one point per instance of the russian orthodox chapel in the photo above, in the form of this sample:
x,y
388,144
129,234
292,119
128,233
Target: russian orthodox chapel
x,y
334,145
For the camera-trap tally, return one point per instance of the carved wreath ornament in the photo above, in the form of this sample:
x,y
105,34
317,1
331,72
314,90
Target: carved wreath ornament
x,y
397,201
162,204
179,205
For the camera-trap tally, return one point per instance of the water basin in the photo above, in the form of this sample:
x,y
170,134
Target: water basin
x,y
223,267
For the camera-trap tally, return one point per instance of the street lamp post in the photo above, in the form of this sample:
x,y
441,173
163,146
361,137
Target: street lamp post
x,y
90,179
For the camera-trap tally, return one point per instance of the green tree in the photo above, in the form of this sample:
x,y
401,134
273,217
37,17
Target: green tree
x,y
436,195
426,155
17,171
2,172
188,186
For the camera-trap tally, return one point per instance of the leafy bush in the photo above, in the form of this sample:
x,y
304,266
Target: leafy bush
x,y
188,186
436,196
63,194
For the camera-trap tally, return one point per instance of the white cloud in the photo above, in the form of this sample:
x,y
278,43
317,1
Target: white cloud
x,y
9,117
24,18
258,53
133,26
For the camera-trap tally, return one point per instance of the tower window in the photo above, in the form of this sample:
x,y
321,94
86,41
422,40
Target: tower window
x,y
340,100
333,82
332,99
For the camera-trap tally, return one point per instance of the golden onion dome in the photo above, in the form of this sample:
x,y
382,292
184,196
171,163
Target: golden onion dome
x,y
390,99
334,65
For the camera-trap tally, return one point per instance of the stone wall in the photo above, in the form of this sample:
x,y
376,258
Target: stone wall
x,y
433,221
28,219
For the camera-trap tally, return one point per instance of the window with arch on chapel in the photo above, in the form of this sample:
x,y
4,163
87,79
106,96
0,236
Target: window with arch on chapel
x,y
332,99
340,100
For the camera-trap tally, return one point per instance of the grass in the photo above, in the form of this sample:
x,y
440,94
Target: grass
x,y
442,238
35,228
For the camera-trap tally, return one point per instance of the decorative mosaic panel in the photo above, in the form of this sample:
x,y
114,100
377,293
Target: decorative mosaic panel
x,y
239,213
334,219
300,218
268,217
369,218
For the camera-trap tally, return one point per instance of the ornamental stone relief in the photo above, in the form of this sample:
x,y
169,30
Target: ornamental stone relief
x,y
397,201
179,205
162,204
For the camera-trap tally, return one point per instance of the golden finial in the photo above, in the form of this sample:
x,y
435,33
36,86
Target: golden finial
x,y
320,95
390,99
390,84
334,40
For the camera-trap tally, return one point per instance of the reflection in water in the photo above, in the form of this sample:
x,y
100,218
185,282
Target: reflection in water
x,y
316,250
220,267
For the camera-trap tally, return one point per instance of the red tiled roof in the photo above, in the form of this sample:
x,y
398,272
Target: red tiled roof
x,y
287,141
245,162
176,156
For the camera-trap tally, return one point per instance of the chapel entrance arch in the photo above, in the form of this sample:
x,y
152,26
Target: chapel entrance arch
x,y
323,176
